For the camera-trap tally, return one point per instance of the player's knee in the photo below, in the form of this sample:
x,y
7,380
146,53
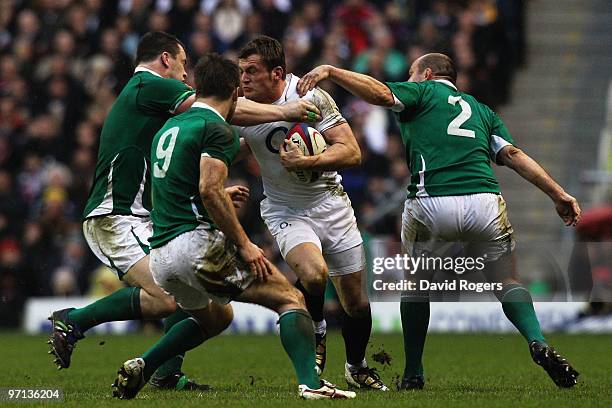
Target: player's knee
x,y
294,300
314,278
168,305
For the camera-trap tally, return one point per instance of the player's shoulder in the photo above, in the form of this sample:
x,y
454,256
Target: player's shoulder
x,y
155,83
150,77
481,106
215,125
317,95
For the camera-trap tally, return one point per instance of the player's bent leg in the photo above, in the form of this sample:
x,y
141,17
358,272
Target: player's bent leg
x,y
120,243
296,333
156,303
169,375
517,305
308,264
183,336
68,325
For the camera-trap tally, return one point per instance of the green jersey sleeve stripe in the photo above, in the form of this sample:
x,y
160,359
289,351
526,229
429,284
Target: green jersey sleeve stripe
x,y
181,99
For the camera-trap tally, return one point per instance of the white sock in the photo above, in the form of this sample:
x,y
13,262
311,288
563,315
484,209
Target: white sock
x,y
354,368
320,327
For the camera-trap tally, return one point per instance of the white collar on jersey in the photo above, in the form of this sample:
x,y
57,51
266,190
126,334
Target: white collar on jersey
x,y
446,82
206,106
283,98
140,68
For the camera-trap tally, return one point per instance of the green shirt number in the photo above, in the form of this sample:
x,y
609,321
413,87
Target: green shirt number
x,y
165,154
454,128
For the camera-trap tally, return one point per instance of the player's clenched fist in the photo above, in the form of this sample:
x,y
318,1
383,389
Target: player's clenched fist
x,y
292,158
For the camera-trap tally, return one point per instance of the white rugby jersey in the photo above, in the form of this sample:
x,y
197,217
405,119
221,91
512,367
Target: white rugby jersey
x,y
265,139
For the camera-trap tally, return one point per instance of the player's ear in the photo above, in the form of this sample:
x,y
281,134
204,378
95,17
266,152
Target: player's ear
x,y
165,59
428,74
277,73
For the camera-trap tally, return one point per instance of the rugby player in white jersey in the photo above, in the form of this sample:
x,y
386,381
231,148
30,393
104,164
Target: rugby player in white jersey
x,y
313,223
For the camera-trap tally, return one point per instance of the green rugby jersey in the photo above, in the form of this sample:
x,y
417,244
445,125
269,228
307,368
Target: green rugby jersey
x,y
450,139
175,160
122,180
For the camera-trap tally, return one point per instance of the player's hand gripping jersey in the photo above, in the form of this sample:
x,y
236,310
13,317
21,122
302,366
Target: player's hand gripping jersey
x,y
450,139
264,141
121,183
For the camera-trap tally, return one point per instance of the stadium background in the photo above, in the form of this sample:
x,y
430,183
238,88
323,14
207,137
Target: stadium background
x,y
545,68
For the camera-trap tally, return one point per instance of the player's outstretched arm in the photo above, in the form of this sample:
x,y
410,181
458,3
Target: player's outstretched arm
x,y
363,86
567,207
249,113
213,173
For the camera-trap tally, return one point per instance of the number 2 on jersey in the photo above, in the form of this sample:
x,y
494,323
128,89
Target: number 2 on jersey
x,y
164,154
454,128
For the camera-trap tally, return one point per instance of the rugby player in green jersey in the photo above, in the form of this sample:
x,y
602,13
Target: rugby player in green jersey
x,y
200,253
116,223
450,140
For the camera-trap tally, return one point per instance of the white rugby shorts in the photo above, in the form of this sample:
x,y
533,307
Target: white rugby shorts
x,y
118,241
330,225
476,220
199,266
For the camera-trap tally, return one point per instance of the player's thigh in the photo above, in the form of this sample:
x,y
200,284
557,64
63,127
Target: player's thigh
x,y
276,293
118,241
140,276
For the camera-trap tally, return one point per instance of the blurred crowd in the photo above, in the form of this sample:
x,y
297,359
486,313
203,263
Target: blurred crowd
x,y
62,63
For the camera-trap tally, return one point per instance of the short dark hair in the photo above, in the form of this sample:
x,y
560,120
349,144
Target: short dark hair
x,y
440,64
153,43
216,76
270,50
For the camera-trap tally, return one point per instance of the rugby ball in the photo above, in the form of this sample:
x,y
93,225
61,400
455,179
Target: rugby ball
x,y
311,143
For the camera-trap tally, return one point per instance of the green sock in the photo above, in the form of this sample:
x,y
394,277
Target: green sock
x,y
174,364
297,336
518,308
183,336
415,321
124,304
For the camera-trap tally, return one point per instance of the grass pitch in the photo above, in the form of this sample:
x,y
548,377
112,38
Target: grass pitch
x,y
247,371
